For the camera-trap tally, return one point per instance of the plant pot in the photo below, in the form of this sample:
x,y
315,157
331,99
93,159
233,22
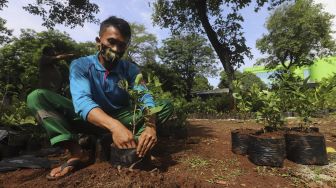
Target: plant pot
x,y
267,149
123,157
7,151
240,139
306,148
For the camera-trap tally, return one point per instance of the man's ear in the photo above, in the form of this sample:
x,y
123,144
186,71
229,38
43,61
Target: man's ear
x,y
97,40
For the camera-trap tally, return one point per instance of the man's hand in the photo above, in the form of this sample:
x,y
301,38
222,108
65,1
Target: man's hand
x,y
147,141
122,137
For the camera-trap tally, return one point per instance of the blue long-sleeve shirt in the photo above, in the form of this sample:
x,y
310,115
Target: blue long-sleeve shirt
x,y
91,85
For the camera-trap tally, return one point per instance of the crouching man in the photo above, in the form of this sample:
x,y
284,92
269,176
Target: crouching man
x,y
99,105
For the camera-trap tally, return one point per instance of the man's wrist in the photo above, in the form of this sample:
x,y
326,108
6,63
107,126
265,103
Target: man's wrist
x,y
113,125
151,122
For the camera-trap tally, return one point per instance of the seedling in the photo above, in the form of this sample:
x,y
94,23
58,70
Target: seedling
x,y
136,93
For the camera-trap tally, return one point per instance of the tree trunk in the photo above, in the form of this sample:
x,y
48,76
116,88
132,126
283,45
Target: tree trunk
x,y
221,49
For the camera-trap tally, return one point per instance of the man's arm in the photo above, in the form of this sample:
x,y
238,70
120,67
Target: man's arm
x,y
63,56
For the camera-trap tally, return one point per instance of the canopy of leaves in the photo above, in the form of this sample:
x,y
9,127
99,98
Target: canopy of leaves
x,y
188,55
70,13
297,34
143,45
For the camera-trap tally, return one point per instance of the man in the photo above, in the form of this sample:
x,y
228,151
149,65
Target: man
x,y
49,75
102,105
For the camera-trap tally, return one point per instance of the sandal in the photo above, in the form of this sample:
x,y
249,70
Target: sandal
x,y
75,164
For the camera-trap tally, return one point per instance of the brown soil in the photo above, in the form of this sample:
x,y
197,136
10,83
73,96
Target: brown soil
x,y
203,160
298,133
269,135
244,131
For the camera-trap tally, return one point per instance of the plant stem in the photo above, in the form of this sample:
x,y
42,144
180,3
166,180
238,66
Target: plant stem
x,y
134,119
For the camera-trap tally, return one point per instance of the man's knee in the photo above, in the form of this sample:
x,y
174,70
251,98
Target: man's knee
x,y
168,106
35,97
167,110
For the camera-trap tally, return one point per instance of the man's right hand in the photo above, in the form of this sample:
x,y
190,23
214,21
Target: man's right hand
x,y
122,137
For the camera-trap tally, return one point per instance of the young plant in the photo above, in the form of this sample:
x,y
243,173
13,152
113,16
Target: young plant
x,y
297,94
136,93
270,111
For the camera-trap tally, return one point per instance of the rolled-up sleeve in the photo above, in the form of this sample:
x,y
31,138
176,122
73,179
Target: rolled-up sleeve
x,y
146,99
80,89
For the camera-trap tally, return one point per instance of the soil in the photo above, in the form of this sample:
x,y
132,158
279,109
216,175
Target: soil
x,y
298,133
270,135
204,159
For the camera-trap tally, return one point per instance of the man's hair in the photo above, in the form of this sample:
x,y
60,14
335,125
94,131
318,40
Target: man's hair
x,y
118,23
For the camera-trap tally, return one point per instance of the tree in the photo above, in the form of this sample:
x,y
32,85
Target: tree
x,y
70,13
189,55
201,83
4,32
246,78
220,20
170,80
143,46
297,34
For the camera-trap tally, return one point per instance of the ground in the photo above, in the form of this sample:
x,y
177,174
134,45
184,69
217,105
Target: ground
x,y
204,159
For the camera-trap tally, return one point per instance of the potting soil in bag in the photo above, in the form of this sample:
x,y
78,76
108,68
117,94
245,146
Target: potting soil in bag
x,y
306,148
123,157
240,140
267,151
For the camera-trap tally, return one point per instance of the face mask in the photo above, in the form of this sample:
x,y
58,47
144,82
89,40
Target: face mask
x,y
110,56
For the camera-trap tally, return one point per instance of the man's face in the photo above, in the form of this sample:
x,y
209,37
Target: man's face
x,y
112,45
112,38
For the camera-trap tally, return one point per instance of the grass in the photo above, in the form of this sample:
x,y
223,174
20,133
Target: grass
x,y
225,170
196,162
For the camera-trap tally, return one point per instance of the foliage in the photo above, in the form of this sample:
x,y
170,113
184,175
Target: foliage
x,y
136,92
15,114
247,79
188,55
247,99
70,13
170,80
324,94
270,111
298,33
201,83
295,94
220,20
143,46
5,33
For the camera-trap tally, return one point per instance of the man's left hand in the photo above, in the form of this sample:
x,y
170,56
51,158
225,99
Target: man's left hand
x,y
147,141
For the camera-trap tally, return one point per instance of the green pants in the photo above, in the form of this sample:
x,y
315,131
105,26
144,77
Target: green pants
x,y
57,115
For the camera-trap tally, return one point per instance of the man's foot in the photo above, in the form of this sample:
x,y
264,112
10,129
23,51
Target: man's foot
x,y
65,169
